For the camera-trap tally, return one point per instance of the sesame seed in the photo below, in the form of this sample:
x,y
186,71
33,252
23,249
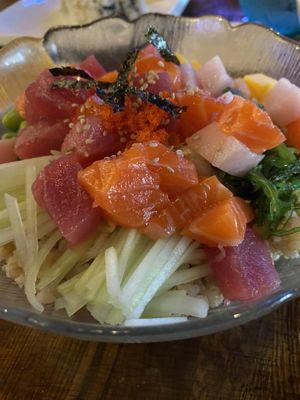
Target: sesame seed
x,y
145,86
119,153
155,160
104,133
71,125
161,64
67,120
89,141
82,121
170,169
160,94
153,144
142,81
87,126
132,136
173,95
122,140
74,105
179,152
135,105
206,186
82,108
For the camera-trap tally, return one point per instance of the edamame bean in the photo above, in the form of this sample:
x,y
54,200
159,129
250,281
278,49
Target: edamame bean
x,y
11,120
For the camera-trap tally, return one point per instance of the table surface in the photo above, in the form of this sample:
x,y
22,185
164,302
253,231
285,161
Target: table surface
x,y
257,361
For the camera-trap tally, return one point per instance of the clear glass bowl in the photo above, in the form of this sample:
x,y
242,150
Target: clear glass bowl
x,y
246,48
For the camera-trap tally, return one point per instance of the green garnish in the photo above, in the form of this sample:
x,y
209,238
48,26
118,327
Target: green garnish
x,y
271,188
234,91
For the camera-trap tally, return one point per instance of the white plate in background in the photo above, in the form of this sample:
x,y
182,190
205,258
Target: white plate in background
x,y
35,17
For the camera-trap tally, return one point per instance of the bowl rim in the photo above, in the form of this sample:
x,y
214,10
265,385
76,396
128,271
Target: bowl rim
x,y
191,328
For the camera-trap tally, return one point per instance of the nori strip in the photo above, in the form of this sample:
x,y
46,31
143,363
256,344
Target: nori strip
x,y
153,37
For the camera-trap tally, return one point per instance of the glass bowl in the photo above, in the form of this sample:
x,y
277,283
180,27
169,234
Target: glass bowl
x,y
243,49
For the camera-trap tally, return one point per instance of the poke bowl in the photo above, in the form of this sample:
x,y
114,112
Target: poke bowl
x,y
245,50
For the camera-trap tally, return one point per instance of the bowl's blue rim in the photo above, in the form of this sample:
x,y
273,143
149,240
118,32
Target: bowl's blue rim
x,y
184,330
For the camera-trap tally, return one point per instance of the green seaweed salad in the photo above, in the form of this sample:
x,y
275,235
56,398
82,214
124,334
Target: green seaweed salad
x,y
272,188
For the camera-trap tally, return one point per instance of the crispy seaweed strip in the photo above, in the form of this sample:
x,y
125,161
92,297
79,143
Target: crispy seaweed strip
x,y
154,38
70,71
76,85
114,93
159,101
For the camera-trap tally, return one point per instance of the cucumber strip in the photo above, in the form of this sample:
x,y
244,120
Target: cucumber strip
x,y
154,321
12,174
18,230
4,219
73,303
18,193
114,317
112,272
176,302
63,265
59,304
151,258
185,276
196,256
129,246
45,226
69,285
150,275
100,311
32,264
33,270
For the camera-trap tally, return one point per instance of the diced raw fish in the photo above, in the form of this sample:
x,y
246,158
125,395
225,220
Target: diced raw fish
x,y
40,138
159,82
246,271
213,76
187,206
176,173
201,110
250,125
7,150
58,192
223,151
282,102
125,189
92,66
189,77
222,225
293,134
90,141
42,100
242,87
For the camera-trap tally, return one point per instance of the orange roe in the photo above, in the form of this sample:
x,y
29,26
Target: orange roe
x,y
138,122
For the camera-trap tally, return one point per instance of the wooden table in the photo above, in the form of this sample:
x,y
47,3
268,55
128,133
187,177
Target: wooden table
x,y
257,361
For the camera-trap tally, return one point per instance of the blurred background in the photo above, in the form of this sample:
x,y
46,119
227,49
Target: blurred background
x,y
34,17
